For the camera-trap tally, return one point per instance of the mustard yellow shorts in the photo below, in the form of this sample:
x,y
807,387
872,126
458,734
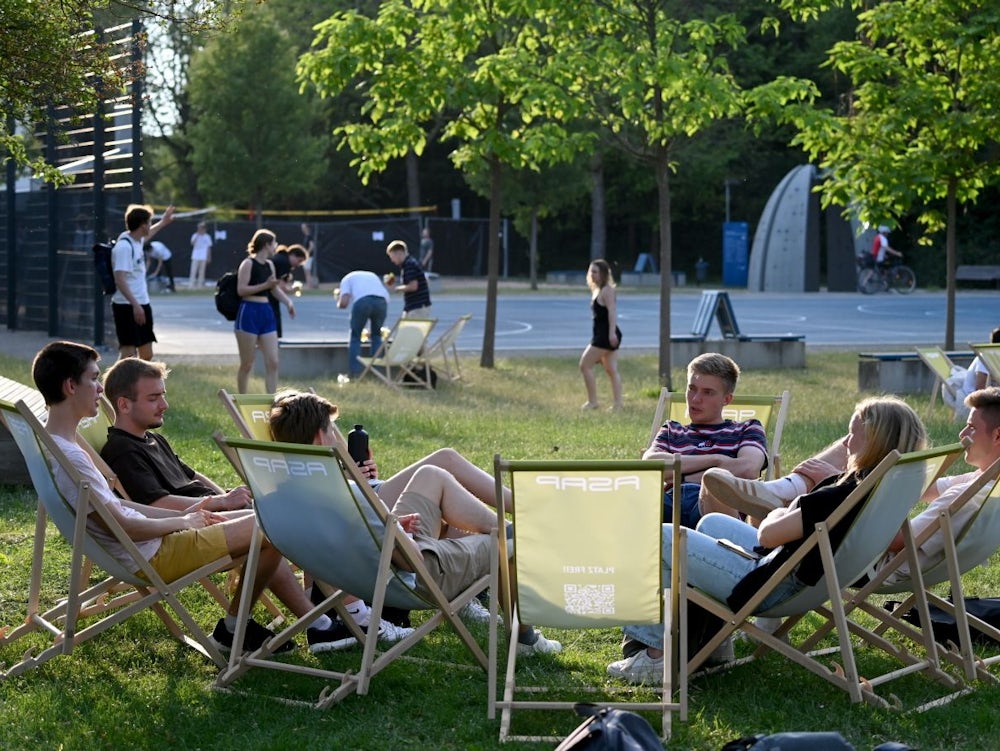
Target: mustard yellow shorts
x,y
182,552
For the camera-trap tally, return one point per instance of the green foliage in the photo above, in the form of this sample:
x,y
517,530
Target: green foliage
x,y
135,687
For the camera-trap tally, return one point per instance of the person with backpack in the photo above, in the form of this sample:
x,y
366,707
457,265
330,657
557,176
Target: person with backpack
x,y
130,303
256,326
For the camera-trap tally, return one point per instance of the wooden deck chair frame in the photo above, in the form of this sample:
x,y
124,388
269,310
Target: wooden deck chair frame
x,y
964,549
672,405
315,507
547,580
989,354
884,497
62,621
445,349
941,365
401,355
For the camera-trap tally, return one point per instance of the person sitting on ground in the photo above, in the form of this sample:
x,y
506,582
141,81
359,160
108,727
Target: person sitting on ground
x,y
877,426
175,542
709,440
449,526
981,431
964,382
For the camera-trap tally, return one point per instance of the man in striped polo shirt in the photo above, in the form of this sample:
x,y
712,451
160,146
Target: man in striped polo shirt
x,y
708,440
412,281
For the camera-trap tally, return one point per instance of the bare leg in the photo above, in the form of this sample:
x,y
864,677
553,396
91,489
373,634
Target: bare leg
x,y
459,508
590,357
478,482
146,351
610,363
247,344
127,350
268,344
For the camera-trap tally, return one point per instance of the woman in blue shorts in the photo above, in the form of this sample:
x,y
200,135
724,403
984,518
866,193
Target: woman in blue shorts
x,y
256,326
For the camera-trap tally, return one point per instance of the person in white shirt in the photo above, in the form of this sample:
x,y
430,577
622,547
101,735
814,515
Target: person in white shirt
x,y
369,301
201,255
161,254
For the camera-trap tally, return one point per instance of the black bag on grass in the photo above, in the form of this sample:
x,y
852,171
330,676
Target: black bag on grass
x,y
608,729
945,630
822,741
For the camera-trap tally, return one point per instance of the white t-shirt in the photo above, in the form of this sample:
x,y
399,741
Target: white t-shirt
x,y
930,552
127,256
360,284
200,245
969,384
159,251
101,493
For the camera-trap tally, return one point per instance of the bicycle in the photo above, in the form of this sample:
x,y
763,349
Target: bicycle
x,y
891,275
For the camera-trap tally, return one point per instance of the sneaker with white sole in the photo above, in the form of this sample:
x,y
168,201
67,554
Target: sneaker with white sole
x,y
749,497
254,637
332,639
722,654
640,669
390,633
474,612
534,643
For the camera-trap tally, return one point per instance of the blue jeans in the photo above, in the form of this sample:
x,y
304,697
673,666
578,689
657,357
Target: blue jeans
x,y
370,308
712,568
690,511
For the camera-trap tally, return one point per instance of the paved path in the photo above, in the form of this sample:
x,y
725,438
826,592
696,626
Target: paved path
x,y
558,320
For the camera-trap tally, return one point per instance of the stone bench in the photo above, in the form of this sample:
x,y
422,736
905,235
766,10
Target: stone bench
x,y
900,372
977,273
312,358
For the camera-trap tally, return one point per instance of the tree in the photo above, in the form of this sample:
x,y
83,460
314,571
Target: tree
x,y
252,133
50,55
653,79
917,129
478,67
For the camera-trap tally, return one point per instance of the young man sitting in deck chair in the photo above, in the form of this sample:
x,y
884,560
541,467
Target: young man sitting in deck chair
x,y
709,440
175,542
982,429
448,524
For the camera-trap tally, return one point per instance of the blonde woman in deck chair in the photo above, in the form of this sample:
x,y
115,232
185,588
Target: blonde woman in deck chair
x,y
730,560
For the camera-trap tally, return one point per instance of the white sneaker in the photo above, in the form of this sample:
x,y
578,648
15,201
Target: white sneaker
x,y
640,668
540,646
390,633
474,612
722,654
749,497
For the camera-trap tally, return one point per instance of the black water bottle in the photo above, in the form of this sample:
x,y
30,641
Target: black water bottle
x,y
357,444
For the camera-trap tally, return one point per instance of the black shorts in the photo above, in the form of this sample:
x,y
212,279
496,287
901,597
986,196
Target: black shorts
x,y
131,334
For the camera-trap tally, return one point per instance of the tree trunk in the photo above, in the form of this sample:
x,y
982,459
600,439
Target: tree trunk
x,y
533,249
949,325
598,209
492,263
412,181
666,278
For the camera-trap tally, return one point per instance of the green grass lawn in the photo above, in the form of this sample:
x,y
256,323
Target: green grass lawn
x,y
136,688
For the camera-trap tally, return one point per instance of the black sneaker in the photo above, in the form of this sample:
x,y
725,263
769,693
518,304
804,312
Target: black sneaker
x,y
255,636
335,638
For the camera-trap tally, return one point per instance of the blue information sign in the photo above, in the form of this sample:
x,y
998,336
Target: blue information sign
x,y
735,253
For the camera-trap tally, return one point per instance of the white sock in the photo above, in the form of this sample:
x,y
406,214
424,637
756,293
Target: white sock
x,y
360,612
322,623
787,488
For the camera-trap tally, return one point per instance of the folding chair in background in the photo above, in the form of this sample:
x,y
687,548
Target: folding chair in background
x,y
587,555
942,366
771,411
990,356
968,543
445,349
315,507
401,355
249,412
62,621
884,499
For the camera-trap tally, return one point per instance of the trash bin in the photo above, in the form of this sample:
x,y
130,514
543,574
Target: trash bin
x,y
701,271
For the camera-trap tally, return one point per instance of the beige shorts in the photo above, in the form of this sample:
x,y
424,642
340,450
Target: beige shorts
x,y
182,552
455,562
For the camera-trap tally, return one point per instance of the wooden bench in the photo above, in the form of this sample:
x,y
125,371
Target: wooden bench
x,y
977,273
900,372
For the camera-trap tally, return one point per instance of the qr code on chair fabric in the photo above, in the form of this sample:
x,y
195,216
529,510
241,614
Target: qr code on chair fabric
x,y
589,599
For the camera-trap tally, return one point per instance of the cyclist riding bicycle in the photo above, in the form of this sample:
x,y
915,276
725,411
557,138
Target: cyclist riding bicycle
x,y
880,246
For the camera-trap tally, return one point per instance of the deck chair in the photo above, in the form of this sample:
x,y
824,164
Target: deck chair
x,y
63,621
250,414
401,355
990,356
315,507
587,547
445,350
771,411
884,499
966,546
942,367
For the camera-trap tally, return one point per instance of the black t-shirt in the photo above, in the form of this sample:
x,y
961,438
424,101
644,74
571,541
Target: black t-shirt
x,y
815,507
148,468
282,265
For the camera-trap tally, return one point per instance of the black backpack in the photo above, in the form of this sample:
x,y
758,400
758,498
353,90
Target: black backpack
x,y
227,299
102,267
607,729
